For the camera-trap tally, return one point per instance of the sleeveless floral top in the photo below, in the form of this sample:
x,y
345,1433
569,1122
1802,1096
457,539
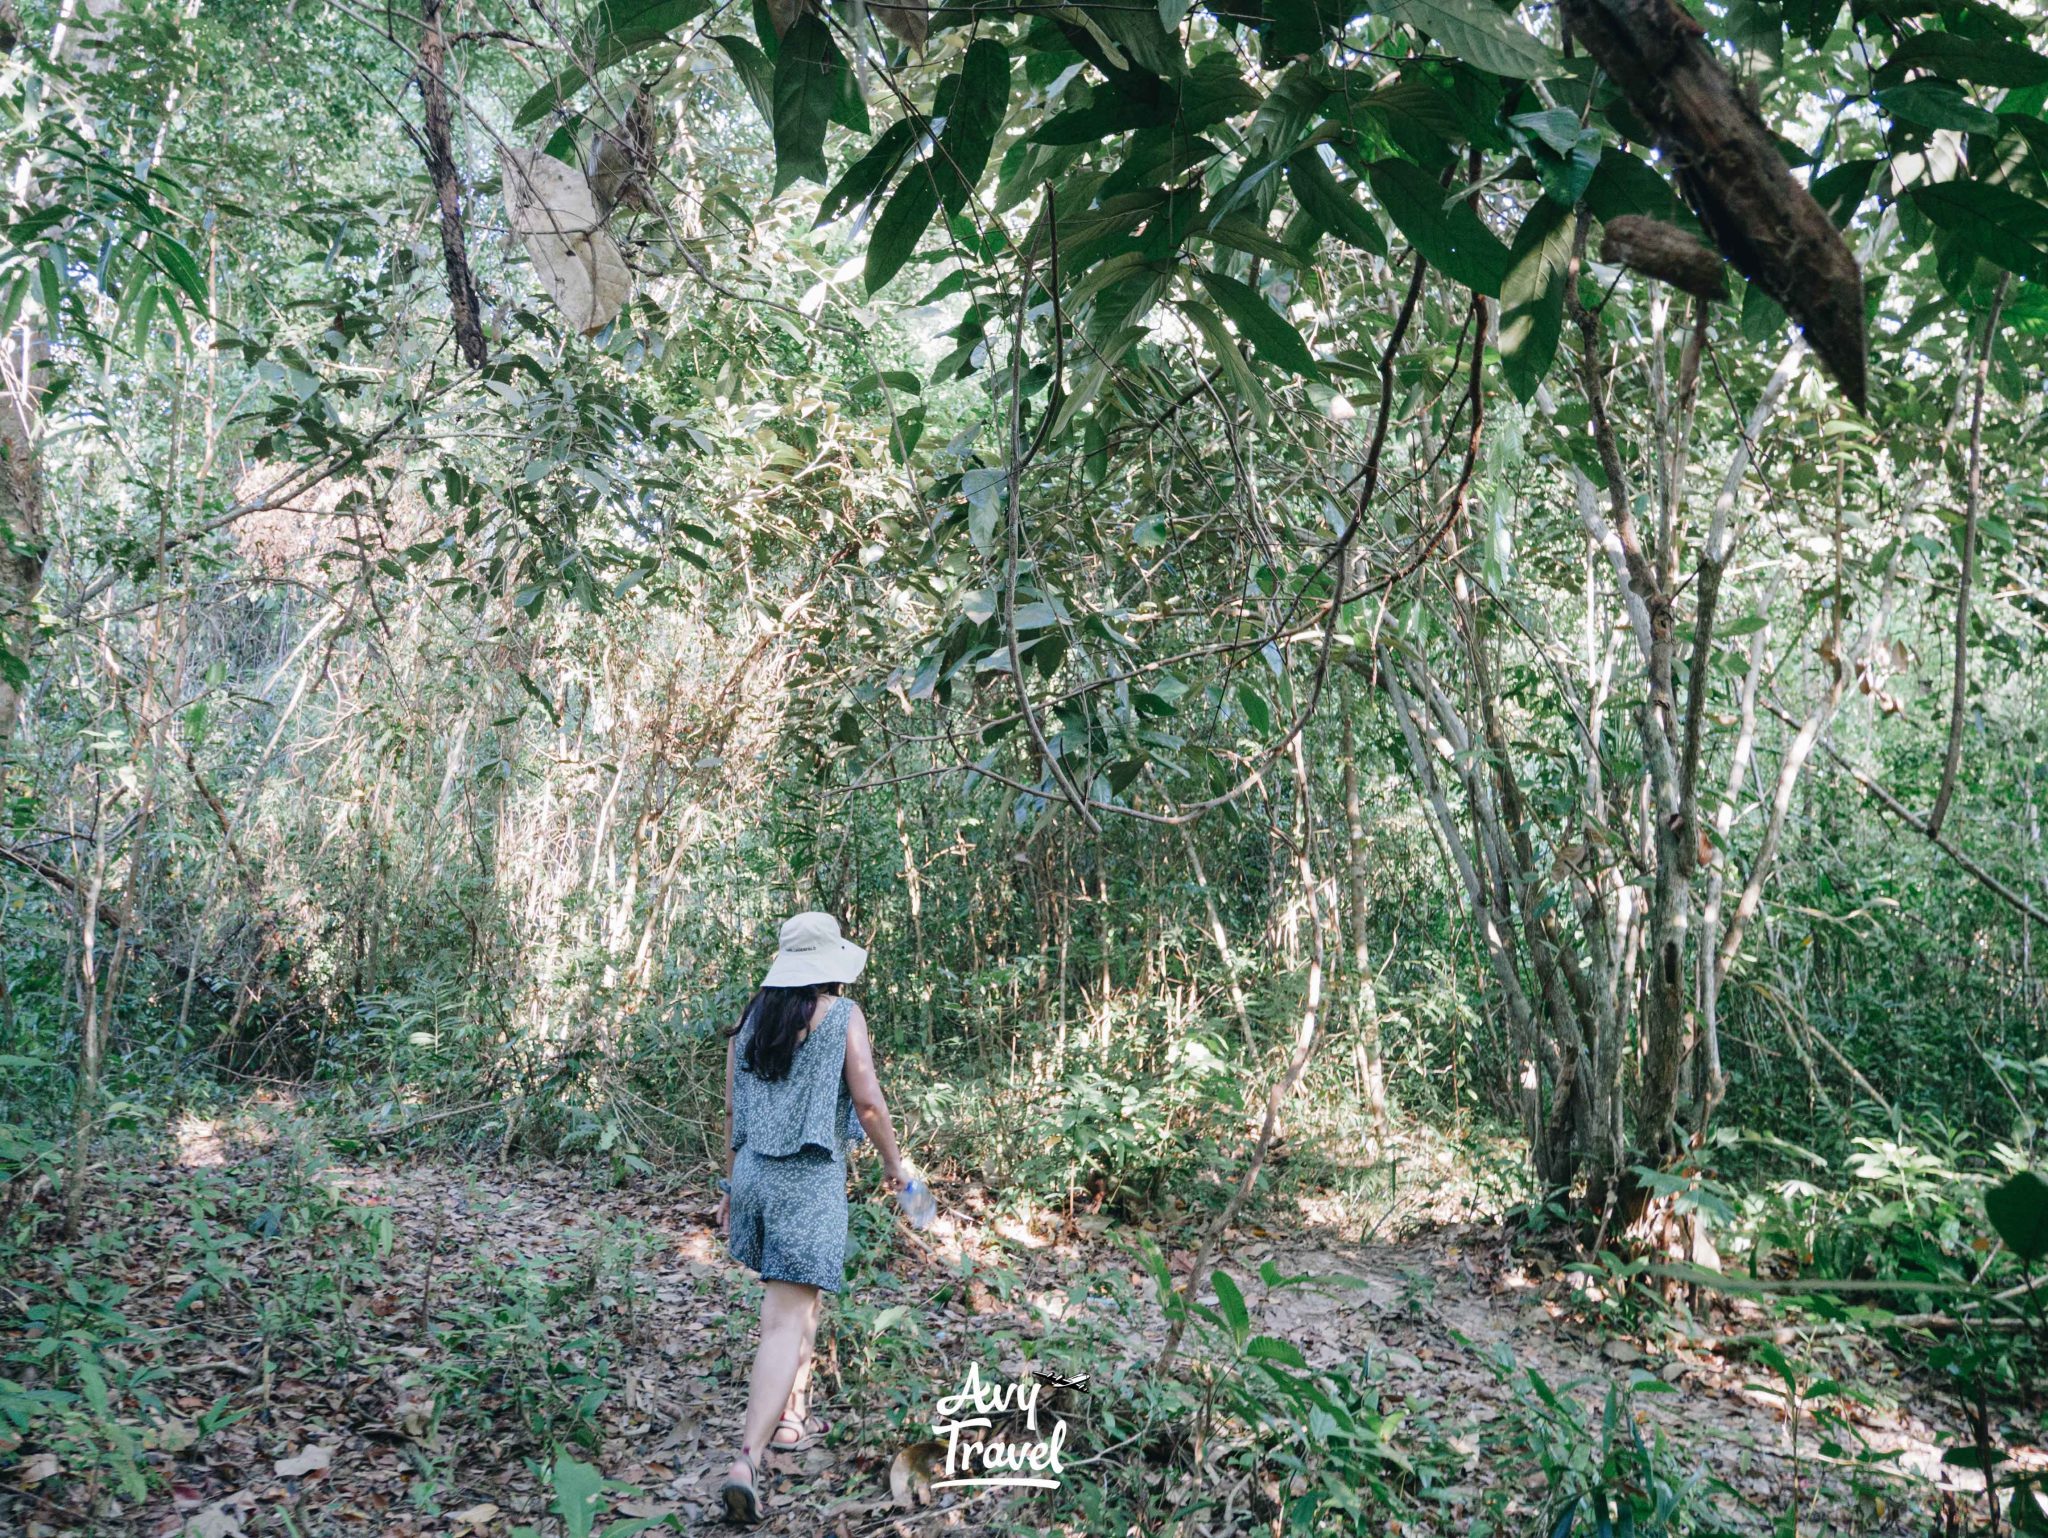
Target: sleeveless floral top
x,y
812,1107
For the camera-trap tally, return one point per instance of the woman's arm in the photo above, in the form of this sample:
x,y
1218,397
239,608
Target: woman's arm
x,y
868,1104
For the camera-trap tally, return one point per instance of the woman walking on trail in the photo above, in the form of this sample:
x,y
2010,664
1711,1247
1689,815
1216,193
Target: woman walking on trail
x,y
798,1070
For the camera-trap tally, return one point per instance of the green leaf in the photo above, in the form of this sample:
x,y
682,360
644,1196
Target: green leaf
x,y
810,75
631,20
1479,33
2006,229
181,267
1231,1302
1936,104
1269,1349
974,117
1986,60
1762,316
1624,184
1139,33
1256,710
1532,297
888,379
887,1319
1271,334
868,175
1841,190
986,489
755,72
900,228
578,1488
1331,206
2018,1209
1224,346
1452,240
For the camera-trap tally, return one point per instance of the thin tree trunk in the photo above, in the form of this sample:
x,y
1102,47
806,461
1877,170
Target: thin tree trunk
x,y
1221,938
85,1100
440,157
1365,1004
1953,757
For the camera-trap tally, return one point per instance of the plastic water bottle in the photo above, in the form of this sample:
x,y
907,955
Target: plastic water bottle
x,y
917,1202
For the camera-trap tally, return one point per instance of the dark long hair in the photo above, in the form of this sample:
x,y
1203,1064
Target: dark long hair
x,y
779,1016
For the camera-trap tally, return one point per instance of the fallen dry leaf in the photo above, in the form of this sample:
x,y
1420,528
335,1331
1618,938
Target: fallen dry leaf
x,y
216,1521
478,1515
309,1460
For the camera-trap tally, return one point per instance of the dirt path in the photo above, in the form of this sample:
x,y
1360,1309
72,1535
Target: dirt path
x,y
542,1288
1440,1314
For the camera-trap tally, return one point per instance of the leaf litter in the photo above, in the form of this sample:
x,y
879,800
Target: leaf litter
x,y
499,1309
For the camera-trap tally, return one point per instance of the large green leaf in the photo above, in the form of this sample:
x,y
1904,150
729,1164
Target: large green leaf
x,y
1986,60
2006,229
869,174
1936,104
756,73
1451,239
2018,1209
1138,32
809,79
1624,184
1333,208
1271,334
578,1489
1532,297
901,226
631,20
974,116
1479,33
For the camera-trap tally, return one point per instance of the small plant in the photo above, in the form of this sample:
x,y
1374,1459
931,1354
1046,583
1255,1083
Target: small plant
x,y
1604,1480
582,1495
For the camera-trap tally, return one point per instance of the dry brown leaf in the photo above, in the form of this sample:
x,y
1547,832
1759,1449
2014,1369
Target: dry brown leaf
x,y
216,1521
555,213
479,1515
39,1468
641,1508
309,1460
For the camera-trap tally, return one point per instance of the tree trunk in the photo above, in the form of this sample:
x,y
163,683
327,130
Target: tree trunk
x,y
1221,938
1365,1004
440,156
23,543
85,1099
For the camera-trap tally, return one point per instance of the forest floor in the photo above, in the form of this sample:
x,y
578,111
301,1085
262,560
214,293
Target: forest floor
x,y
400,1362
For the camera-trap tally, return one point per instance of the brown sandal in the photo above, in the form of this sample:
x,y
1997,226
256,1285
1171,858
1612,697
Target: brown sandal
x,y
742,1501
810,1431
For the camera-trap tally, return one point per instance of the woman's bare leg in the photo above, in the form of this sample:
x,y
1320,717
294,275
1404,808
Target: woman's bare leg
x,y
788,1316
799,1406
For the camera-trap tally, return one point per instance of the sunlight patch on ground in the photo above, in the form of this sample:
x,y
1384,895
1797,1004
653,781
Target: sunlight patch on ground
x,y
1018,1232
701,1244
199,1142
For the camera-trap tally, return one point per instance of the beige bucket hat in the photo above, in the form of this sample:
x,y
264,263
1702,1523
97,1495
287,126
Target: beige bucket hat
x,y
811,951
